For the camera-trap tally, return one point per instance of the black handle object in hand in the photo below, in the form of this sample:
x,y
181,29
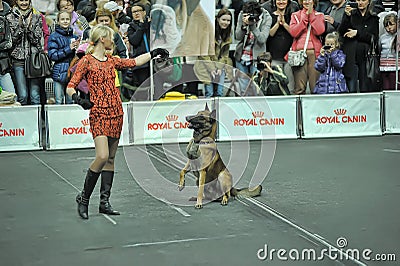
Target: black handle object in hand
x,y
159,51
86,104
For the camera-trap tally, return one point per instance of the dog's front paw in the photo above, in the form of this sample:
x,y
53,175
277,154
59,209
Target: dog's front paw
x,y
224,200
181,185
199,205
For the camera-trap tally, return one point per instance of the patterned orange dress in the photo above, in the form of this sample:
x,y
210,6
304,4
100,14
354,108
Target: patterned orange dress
x,y
106,115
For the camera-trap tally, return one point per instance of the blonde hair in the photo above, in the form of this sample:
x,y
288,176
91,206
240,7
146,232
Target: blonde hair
x,y
101,12
334,36
97,32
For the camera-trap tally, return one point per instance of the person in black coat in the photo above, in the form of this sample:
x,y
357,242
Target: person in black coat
x,y
139,39
358,26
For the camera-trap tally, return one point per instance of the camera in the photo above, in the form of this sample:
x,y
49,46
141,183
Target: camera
x,y
353,4
260,66
327,47
252,19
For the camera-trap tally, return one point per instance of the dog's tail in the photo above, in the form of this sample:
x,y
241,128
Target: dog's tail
x,y
246,192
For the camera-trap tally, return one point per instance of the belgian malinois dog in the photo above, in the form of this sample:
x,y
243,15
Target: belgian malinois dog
x,y
212,177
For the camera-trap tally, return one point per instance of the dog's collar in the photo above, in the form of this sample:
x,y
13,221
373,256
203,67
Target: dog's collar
x,y
205,142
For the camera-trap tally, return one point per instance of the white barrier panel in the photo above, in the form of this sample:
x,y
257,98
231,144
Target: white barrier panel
x,y
68,127
252,118
164,121
19,128
341,115
392,111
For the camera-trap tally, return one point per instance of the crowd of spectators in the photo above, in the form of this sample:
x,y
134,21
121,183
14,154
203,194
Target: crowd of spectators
x,y
252,37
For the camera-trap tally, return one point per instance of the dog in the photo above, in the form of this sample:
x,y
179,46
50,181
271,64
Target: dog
x,y
182,27
212,177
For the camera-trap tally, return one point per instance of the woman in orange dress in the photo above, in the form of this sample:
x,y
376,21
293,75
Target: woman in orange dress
x,y
106,114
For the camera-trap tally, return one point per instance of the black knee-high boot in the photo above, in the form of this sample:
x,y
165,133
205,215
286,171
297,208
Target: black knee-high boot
x,y
105,191
83,198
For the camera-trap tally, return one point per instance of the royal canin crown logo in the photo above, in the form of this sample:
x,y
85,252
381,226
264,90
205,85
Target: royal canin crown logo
x,y
170,123
340,111
341,117
258,119
85,122
172,118
258,114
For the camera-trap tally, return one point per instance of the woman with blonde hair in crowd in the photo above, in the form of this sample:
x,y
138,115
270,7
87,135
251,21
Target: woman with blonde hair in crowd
x,y
212,69
105,17
27,37
302,21
106,113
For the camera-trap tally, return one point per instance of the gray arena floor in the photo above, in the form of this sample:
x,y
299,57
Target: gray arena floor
x,y
316,193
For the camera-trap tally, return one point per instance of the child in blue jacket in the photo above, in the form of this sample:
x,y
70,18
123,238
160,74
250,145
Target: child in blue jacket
x,y
61,49
330,63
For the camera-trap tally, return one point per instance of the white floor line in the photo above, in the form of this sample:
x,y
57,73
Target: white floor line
x,y
66,181
241,201
315,237
109,218
54,171
146,244
179,210
390,150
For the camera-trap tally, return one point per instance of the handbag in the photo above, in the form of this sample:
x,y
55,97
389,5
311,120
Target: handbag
x,y
298,58
37,64
373,60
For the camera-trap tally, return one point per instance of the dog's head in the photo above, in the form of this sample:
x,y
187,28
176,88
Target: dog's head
x,y
203,123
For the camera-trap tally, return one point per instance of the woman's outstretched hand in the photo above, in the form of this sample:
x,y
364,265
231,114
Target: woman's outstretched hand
x,y
161,52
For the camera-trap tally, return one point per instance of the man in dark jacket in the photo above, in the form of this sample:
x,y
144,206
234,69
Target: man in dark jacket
x,y
270,79
139,39
5,45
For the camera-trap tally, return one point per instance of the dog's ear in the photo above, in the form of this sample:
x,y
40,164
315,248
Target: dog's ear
x,y
191,5
206,108
213,114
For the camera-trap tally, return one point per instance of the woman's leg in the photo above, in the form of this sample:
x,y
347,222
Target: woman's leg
x,y
208,90
93,173
300,79
102,153
313,74
34,89
221,82
22,88
244,79
107,177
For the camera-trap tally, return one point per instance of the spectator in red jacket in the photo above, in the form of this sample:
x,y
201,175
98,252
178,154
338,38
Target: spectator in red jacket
x,y
299,23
